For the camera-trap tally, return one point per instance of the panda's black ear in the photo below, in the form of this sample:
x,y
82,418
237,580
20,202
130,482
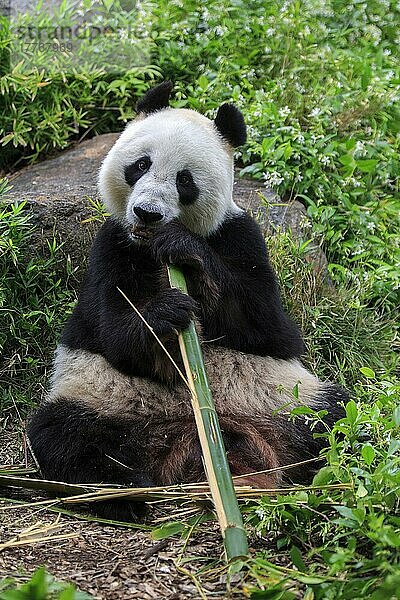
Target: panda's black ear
x,y
230,123
155,98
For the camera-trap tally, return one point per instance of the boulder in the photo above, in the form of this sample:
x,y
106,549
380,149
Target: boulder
x,y
62,195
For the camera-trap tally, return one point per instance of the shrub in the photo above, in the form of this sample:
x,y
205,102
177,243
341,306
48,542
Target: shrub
x,y
34,302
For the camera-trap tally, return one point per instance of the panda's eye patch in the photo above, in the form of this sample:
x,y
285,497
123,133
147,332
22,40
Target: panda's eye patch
x,y
187,189
134,171
184,178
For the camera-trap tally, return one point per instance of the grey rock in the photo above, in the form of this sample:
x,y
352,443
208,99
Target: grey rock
x,y
61,193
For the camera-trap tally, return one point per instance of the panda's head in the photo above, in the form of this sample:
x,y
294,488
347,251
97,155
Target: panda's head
x,y
172,164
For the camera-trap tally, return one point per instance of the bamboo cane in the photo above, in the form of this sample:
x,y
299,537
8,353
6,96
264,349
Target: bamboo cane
x,y
216,464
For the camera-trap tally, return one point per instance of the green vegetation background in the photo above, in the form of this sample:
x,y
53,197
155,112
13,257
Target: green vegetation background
x,y
319,84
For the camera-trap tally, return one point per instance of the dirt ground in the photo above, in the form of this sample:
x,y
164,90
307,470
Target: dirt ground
x,y
106,561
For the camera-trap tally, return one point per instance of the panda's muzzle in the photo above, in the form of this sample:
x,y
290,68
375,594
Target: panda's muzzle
x,y
146,220
147,217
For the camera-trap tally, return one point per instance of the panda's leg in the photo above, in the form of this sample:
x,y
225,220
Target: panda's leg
x,y
74,443
178,456
264,443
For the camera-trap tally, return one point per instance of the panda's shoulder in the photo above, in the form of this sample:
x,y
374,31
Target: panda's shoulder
x,y
239,230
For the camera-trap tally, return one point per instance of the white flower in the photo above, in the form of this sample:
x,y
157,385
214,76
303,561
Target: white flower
x,y
300,138
219,30
270,31
359,146
387,52
354,182
284,112
359,149
272,179
299,177
315,112
306,223
260,513
358,250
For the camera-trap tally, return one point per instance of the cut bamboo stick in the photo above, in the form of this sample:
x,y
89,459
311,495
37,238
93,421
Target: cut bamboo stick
x,y
216,464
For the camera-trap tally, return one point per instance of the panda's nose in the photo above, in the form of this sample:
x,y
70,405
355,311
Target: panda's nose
x,y
147,216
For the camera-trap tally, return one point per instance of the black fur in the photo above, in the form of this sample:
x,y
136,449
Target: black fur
x,y
75,444
187,189
246,314
89,443
135,171
155,99
230,124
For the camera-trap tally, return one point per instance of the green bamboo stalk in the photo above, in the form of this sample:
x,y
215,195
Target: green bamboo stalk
x,y
216,464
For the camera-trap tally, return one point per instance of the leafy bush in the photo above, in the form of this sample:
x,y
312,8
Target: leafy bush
x,y
340,543
34,302
41,586
48,100
337,323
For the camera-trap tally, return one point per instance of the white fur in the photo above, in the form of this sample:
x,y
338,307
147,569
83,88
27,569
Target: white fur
x,y
174,139
242,384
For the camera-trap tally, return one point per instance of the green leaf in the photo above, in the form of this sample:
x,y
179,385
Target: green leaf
x,y
367,372
354,514
7,138
347,160
288,151
297,559
267,143
16,594
396,415
351,411
67,594
302,410
367,165
366,76
203,82
167,530
323,477
368,454
272,594
361,491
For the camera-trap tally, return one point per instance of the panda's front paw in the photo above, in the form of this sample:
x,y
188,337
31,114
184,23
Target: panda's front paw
x,y
175,244
170,312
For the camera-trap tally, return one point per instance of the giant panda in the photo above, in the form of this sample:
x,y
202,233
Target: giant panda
x,y
117,412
